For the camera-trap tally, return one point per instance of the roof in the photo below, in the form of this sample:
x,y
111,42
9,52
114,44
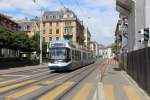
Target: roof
x,y
8,18
26,24
57,15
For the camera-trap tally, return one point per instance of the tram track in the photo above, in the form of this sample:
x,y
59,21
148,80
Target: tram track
x,y
27,70
54,81
6,83
19,75
25,83
74,80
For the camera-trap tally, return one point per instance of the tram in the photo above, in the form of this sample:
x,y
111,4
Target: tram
x,y
63,56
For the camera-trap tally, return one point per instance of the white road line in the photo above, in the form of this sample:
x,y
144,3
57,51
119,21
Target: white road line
x,y
18,75
35,75
97,77
134,84
100,92
95,95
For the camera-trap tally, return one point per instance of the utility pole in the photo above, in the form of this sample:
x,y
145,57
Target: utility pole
x,y
41,32
41,37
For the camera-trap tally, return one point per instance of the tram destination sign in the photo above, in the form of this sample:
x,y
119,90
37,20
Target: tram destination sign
x,y
56,45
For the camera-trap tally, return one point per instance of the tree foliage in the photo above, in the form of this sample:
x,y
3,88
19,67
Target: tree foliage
x,y
114,49
17,40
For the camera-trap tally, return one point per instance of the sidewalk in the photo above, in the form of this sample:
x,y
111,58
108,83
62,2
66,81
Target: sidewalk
x,y
24,68
118,85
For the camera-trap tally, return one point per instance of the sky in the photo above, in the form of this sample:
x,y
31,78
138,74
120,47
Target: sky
x,y
99,16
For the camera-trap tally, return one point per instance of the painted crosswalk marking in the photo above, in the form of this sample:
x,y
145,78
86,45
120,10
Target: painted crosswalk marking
x,y
51,95
7,88
23,92
109,92
131,93
83,93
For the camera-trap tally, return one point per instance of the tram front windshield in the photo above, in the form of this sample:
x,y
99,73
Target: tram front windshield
x,y
59,54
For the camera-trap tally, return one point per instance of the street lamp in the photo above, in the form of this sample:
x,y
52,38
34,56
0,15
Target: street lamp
x,y
41,32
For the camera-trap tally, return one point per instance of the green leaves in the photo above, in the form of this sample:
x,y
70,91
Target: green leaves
x,y
17,41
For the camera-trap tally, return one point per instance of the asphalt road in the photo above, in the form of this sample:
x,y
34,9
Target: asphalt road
x,y
44,84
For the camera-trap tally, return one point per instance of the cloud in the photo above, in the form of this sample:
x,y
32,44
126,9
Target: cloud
x,y
99,15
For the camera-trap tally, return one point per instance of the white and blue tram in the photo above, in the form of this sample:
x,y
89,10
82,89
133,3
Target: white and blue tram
x,y
64,56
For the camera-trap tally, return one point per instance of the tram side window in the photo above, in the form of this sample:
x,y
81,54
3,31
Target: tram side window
x,y
73,54
84,55
78,55
68,54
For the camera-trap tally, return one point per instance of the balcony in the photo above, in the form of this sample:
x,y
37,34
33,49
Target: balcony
x,y
68,34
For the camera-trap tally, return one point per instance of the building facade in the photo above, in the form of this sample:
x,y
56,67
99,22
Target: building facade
x,y
63,25
121,35
106,52
138,15
30,27
94,46
118,37
87,37
7,23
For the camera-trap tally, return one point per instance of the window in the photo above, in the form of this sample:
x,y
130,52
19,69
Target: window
x,y
28,27
50,17
68,23
57,23
68,30
46,17
54,17
44,24
60,17
50,23
50,31
68,15
43,31
57,17
50,38
57,38
43,39
57,31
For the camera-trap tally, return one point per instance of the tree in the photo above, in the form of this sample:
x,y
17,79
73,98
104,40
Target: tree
x,y
114,47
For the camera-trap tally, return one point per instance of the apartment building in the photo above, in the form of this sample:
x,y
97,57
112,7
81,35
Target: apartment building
x,y
7,23
63,25
31,27
87,37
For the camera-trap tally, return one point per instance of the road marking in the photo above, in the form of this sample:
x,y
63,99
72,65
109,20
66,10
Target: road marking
x,y
47,82
83,93
109,94
1,79
133,83
23,92
131,93
100,91
17,75
6,88
8,81
95,95
13,80
51,95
